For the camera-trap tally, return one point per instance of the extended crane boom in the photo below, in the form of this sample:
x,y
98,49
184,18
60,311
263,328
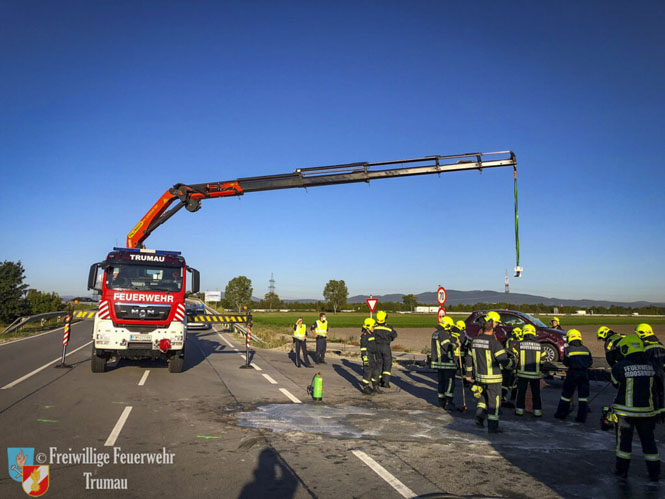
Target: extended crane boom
x,y
190,196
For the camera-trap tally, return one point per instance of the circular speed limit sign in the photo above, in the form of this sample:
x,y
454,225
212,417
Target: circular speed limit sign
x,y
440,314
441,296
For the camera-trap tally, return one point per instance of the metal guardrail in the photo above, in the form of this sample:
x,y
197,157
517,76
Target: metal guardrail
x,y
22,321
244,330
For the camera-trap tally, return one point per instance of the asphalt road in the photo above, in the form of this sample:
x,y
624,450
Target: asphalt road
x,y
234,432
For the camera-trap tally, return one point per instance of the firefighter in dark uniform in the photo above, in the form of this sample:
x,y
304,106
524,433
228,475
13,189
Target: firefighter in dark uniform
x,y
634,406
654,352
556,324
368,355
611,339
485,361
653,348
509,380
577,358
444,359
384,334
512,346
527,360
459,334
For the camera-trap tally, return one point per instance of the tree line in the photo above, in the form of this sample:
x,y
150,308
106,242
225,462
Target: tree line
x,y
16,299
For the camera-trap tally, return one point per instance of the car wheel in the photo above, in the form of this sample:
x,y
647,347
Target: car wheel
x,y
550,353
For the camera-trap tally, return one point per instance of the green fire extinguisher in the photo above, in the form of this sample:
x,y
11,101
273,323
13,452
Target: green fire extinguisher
x,y
316,388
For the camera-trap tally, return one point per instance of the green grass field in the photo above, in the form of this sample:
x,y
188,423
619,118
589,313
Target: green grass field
x,y
287,319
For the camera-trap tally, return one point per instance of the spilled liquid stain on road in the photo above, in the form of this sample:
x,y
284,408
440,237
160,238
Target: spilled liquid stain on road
x,y
352,422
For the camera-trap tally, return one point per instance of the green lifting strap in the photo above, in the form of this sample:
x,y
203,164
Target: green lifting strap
x,y
517,232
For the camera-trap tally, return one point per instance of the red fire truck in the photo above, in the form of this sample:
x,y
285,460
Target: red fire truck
x,y
142,306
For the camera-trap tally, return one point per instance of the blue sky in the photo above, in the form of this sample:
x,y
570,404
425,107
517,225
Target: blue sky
x,y
107,104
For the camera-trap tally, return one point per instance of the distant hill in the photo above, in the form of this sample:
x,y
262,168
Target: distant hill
x,y
456,297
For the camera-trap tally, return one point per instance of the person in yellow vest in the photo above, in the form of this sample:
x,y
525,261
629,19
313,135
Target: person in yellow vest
x,y
320,328
300,341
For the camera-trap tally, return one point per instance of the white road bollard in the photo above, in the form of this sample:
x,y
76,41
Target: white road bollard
x,y
65,341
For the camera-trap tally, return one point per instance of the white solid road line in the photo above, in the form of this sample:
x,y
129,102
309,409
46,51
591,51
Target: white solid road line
x,y
293,398
31,337
23,378
118,427
144,377
269,378
403,490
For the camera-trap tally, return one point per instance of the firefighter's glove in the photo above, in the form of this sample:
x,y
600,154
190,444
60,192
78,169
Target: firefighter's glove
x,y
477,391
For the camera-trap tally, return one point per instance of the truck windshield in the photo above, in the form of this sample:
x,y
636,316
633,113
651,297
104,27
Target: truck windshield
x,y
144,278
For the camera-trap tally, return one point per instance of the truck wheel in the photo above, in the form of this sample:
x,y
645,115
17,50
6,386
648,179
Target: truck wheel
x,y
550,354
97,363
176,363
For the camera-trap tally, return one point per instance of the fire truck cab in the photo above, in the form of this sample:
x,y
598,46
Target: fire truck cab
x,y
142,306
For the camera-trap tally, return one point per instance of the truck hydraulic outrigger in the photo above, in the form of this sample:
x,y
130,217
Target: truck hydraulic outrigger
x,y
190,196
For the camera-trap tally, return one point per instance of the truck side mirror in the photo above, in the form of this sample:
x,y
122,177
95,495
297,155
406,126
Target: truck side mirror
x,y
196,280
92,276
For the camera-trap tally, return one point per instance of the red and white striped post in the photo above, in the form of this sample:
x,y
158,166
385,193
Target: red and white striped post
x,y
65,340
248,342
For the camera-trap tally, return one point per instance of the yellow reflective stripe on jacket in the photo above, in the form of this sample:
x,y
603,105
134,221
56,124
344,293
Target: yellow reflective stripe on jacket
x,y
488,357
483,378
570,354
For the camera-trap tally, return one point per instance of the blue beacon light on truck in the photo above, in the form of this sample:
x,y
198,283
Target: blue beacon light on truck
x,y
152,252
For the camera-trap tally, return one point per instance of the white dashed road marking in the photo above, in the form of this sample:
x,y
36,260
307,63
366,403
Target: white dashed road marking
x,y
293,398
403,490
269,378
144,377
118,427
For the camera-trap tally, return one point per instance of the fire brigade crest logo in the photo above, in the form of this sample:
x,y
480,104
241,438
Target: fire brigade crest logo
x,y
35,480
17,458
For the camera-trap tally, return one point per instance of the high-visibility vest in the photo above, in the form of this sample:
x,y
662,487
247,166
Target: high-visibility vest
x,y
300,332
321,328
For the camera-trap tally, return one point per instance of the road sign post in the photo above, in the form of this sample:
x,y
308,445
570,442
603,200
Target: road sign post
x,y
371,303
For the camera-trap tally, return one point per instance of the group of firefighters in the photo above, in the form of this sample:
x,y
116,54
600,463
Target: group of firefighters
x,y
499,374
